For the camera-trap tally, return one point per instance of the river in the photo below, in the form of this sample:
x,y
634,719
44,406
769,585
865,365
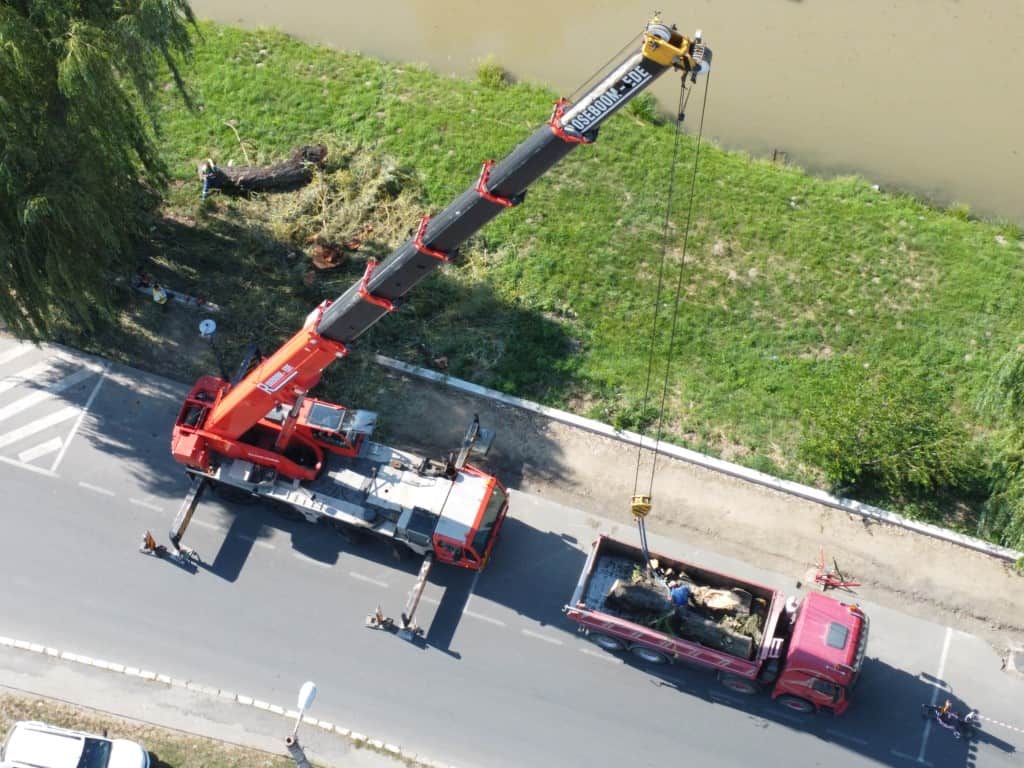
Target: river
x,y
916,95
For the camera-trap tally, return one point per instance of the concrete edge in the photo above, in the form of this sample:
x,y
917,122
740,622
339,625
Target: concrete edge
x,y
357,739
708,462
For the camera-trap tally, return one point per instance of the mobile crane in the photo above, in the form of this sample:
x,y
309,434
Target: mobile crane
x,y
262,433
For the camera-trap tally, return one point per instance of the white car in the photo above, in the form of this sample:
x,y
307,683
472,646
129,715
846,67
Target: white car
x,y
39,745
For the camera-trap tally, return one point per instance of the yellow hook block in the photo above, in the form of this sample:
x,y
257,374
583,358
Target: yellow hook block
x,y
640,506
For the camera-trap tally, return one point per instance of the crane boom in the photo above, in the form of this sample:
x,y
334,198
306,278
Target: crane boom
x,y
284,377
262,436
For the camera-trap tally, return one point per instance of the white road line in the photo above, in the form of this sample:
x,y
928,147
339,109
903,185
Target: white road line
x,y
482,617
472,590
308,559
255,540
64,414
935,693
16,351
25,374
29,467
31,454
545,638
205,524
146,504
1004,725
603,656
905,756
28,401
431,600
96,489
848,737
368,579
78,423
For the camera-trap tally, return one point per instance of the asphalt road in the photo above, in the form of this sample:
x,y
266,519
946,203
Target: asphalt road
x,y
502,679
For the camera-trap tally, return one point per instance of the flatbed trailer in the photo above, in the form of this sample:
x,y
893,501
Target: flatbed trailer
x,y
807,652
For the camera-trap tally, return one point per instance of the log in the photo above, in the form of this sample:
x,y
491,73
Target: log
x,y
693,626
640,597
735,601
293,173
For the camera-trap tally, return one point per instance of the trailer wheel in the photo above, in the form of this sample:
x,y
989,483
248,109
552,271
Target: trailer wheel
x,y
607,642
795,703
649,655
737,684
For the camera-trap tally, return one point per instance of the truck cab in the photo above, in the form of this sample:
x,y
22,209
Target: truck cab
x,y
824,655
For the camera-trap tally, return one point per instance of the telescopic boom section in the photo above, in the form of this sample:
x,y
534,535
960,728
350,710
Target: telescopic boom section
x,y
299,363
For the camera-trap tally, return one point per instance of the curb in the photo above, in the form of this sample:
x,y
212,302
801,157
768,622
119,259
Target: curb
x,y
358,740
708,462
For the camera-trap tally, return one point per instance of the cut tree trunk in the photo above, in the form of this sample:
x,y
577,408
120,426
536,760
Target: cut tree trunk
x,y
714,635
641,597
293,173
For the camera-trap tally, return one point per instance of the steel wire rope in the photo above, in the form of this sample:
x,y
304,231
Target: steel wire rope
x,y
594,75
679,281
683,100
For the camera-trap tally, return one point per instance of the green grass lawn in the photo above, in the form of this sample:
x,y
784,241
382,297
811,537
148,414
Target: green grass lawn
x,y
790,283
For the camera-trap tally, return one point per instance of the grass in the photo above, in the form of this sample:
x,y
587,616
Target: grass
x,y
167,748
787,278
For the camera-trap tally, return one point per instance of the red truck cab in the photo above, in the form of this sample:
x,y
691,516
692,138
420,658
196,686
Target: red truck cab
x,y
824,655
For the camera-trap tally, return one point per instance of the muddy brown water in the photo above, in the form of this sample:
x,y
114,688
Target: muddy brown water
x,y
921,95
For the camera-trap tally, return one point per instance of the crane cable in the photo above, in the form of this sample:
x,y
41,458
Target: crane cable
x,y
641,504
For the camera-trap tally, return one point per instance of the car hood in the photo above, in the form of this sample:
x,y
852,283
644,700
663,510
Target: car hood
x,y
127,754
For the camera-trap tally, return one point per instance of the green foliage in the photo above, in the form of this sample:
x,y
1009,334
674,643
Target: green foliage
x,y
77,163
1003,400
890,432
645,107
786,275
491,74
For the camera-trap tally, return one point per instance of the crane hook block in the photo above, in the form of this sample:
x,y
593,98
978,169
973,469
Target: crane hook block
x,y
640,506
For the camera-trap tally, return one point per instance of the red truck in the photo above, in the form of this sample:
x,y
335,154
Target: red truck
x,y
808,653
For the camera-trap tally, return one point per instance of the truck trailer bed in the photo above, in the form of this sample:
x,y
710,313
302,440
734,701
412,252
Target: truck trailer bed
x,y
612,560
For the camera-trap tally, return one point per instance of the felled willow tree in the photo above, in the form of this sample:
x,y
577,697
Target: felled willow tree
x,y
1004,400
79,169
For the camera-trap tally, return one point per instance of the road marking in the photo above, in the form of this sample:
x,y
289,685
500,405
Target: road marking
x,y
472,589
42,395
96,489
16,351
482,617
81,416
905,756
31,454
29,467
25,374
431,600
205,524
1004,725
255,540
538,636
603,656
38,426
368,579
935,694
146,504
848,737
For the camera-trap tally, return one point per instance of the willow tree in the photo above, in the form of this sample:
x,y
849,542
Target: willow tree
x,y
1004,399
79,168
